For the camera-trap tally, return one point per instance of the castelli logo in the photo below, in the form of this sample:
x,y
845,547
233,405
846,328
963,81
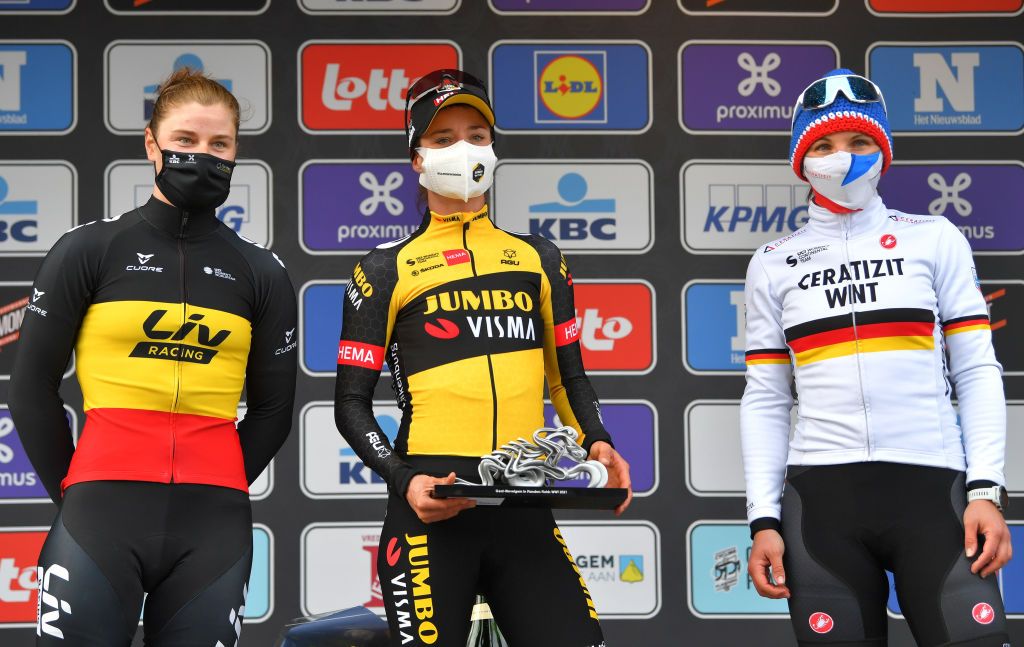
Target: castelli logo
x,y
443,329
983,613
887,241
394,551
821,623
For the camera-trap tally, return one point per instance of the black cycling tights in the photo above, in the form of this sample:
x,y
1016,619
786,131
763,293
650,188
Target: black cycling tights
x,y
845,525
188,546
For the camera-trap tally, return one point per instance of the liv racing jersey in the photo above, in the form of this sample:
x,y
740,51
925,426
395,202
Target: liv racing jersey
x,y
469,318
169,314
878,315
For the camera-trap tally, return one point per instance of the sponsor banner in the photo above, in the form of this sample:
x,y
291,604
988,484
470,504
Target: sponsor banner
x,y
945,8
582,205
38,203
633,425
14,299
320,308
621,563
617,327
351,206
972,195
27,7
134,70
731,86
714,332
1005,299
358,87
329,466
954,88
19,591
569,7
259,603
796,8
38,87
339,567
19,482
571,86
1014,471
733,206
717,582
380,7
186,7
129,184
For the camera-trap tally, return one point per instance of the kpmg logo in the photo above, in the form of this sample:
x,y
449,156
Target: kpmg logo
x,y
38,203
634,427
957,8
570,7
733,206
28,7
570,87
795,8
259,603
330,468
38,87
972,195
19,482
584,206
717,582
247,211
714,335
351,206
380,7
186,7
746,86
134,69
339,567
975,88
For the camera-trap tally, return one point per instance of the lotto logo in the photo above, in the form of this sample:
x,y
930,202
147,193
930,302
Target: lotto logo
x,y
942,7
359,86
616,322
19,553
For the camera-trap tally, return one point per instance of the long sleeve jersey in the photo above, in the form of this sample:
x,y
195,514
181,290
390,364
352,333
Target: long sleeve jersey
x,y
864,310
169,315
469,319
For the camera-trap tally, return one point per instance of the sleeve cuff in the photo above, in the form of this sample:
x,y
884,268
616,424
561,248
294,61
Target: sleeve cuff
x,y
764,523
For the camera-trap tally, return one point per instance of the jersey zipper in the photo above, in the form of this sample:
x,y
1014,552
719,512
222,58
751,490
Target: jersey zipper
x,y
184,318
490,363
845,220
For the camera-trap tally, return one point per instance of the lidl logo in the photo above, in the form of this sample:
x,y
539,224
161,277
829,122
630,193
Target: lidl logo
x,y
794,8
36,6
717,582
958,8
37,87
38,203
570,7
616,323
569,87
714,335
380,7
961,87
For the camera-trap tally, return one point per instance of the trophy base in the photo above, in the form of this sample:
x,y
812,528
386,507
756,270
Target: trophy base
x,y
537,497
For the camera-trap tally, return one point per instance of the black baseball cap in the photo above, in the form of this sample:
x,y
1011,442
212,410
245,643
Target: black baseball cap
x,y
440,89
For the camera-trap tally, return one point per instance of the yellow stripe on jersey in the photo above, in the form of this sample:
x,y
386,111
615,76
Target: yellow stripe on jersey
x,y
870,345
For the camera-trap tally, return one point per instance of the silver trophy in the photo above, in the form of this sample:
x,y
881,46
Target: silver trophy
x,y
554,455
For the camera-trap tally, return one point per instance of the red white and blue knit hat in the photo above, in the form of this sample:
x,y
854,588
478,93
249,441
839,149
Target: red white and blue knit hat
x,y
842,114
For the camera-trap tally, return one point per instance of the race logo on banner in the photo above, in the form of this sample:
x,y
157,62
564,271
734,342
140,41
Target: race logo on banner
x,y
356,87
733,206
350,207
714,333
259,603
247,210
19,555
321,304
19,482
329,466
37,87
719,586
570,7
963,88
796,8
972,195
747,86
634,429
23,7
571,87
339,568
616,322
959,8
179,7
583,206
381,7
1005,299
621,563
135,69
38,203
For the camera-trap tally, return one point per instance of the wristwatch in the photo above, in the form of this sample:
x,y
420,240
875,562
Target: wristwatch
x,y
996,494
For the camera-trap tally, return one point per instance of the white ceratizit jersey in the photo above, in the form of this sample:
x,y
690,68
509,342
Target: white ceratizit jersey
x,y
864,310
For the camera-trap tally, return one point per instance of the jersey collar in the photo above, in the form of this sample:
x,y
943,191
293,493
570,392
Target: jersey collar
x,y
847,225
168,218
455,219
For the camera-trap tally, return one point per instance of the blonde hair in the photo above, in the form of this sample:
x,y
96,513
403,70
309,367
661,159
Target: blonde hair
x,y
187,85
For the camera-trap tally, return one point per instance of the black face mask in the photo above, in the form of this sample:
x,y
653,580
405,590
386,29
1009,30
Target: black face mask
x,y
194,181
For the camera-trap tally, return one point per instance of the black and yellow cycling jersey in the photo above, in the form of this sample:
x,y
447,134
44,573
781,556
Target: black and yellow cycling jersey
x,y
169,314
469,318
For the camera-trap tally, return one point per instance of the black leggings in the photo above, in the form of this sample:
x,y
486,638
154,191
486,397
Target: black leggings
x,y
845,525
188,546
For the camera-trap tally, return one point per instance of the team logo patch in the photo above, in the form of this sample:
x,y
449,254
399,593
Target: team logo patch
x,y
887,241
443,329
821,623
456,256
983,613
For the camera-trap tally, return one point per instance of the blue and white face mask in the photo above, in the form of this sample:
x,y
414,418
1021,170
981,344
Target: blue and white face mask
x,y
847,179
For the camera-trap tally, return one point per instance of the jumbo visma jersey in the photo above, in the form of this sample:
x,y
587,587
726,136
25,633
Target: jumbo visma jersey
x,y
470,319
169,317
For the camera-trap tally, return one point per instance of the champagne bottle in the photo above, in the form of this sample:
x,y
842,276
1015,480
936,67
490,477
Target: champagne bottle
x,y
483,631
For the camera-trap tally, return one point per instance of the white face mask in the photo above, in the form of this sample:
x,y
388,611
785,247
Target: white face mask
x,y
461,171
844,178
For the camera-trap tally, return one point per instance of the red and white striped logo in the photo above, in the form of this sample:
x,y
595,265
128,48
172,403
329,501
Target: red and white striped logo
x,y
821,623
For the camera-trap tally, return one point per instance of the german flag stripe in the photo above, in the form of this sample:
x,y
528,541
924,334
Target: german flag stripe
x,y
868,317
872,345
767,356
966,324
862,332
